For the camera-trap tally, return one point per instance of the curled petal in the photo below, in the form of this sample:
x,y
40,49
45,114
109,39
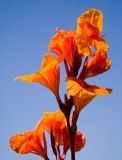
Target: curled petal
x,y
63,45
100,45
94,18
98,64
89,27
28,143
49,75
54,120
85,90
17,141
83,93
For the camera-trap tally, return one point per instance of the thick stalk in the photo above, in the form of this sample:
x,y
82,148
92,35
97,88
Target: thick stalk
x,y
47,158
72,140
72,137
71,133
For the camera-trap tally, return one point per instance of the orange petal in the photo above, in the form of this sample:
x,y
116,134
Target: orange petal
x,y
89,26
63,45
98,64
100,45
94,17
85,90
48,60
28,143
73,87
56,122
17,141
49,75
52,120
100,91
80,103
83,93
29,78
27,147
80,141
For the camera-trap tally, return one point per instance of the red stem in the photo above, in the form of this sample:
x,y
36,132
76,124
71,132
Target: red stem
x,y
72,138
66,68
63,108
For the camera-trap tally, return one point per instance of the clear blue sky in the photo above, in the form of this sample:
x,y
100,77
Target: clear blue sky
x,y
26,27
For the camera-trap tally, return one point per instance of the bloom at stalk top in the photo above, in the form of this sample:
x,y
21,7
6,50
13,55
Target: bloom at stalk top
x,y
49,75
89,27
64,46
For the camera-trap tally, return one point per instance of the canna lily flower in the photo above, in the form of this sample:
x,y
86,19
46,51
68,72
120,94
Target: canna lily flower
x,y
56,122
83,93
48,76
64,46
89,27
98,64
29,143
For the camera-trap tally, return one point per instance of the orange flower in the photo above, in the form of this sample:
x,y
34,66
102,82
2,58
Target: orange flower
x,y
29,143
63,45
57,122
89,27
98,64
49,75
83,93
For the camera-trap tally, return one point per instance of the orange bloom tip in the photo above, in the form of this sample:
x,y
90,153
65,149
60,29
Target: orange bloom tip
x,y
63,45
94,17
89,27
16,78
28,78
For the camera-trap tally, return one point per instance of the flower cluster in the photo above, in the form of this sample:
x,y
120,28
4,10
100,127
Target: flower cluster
x,y
84,53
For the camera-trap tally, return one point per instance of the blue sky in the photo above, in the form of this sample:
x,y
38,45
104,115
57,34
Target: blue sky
x,y
26,27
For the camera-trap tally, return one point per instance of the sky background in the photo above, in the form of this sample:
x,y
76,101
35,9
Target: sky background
x,y
26,27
